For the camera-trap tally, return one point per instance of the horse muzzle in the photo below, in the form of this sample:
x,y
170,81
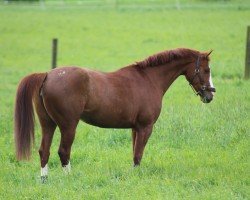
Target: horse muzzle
x,y
207,98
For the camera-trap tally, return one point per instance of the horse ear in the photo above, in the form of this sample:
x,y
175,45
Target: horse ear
x,y
209,53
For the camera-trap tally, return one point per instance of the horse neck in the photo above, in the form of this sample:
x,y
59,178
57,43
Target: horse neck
x,y
163,76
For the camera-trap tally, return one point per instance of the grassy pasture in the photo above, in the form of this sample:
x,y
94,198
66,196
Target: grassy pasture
x,y
196,151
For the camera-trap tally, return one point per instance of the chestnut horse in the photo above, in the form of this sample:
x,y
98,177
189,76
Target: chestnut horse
x,y
128,98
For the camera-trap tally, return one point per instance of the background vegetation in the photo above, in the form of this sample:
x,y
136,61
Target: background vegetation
x,y
196,151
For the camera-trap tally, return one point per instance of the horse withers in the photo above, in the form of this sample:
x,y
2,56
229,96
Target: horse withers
x,y
130,97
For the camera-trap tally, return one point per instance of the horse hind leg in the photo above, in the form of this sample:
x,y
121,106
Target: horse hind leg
x,y
44,151
67,138
48,128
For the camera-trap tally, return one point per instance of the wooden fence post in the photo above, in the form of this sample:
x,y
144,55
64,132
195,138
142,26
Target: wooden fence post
x,y
54,53
247,64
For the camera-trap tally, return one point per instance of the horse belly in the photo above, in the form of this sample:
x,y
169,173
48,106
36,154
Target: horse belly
x,y
107,119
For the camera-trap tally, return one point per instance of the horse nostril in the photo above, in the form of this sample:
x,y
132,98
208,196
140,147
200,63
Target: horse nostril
x,y
209,98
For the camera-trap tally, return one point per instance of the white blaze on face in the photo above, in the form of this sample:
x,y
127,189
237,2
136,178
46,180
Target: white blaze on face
x,y
67,168
210,79
44,170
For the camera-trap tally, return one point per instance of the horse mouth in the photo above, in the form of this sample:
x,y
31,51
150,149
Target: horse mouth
x,y
206,100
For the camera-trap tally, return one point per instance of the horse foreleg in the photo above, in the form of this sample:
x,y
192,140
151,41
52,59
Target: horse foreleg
x,y
142,135
133,140
67,138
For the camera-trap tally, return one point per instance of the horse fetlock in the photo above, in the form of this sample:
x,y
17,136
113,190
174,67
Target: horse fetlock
x,y
44,174
66,168
44,170
64,157
137,161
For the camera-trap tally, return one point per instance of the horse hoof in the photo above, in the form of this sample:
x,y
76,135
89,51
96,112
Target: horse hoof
x,y
44,179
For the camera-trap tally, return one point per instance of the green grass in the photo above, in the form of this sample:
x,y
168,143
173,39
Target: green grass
x,y
196,151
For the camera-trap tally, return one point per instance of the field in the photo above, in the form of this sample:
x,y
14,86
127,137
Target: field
x,y
196,151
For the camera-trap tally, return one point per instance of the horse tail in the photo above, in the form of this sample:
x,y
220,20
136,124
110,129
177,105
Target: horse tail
x,y
24,114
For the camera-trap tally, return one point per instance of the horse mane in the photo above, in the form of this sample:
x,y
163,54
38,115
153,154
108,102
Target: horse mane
x,y
167,56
